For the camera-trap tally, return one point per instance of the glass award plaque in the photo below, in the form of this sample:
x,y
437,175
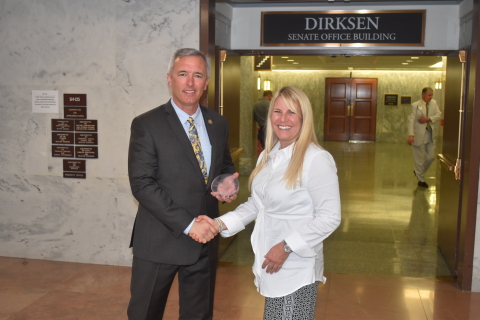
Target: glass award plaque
x,y
225,185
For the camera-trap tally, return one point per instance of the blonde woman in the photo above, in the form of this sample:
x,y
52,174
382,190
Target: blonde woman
x,y
296,203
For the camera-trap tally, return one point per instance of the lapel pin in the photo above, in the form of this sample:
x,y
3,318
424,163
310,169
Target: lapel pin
x,y
210,121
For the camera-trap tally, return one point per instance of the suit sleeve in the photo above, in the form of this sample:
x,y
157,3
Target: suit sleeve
x,y
411,120
142,170
437,114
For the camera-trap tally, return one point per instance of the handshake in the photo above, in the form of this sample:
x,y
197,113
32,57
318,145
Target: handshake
x,y
205,229
224,188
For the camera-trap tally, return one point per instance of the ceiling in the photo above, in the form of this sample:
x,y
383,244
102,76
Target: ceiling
x,y
327,2
422,63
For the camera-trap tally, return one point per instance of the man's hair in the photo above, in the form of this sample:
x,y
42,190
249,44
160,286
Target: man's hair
x,y
427,89
267,92
188,52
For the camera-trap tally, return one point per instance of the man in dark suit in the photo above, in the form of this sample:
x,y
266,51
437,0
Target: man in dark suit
x,y
176,150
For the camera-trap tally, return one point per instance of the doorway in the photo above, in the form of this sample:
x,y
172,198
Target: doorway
x,y
350,109
386,117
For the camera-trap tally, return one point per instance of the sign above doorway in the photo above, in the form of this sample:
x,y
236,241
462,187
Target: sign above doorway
x,y
344,28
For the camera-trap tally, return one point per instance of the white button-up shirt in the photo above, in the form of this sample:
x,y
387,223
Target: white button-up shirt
x,y
303,217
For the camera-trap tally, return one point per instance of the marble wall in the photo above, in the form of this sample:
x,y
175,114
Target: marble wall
x,y
117,53
391,123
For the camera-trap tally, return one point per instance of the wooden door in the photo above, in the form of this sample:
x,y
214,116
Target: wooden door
x,y
350,109
363,109
337,101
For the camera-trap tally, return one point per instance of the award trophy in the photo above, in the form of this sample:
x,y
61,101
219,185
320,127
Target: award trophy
x,y
225,185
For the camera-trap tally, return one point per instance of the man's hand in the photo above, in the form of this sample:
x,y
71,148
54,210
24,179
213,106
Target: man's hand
x,y
423,120
275,258
203,230
227,191
410,140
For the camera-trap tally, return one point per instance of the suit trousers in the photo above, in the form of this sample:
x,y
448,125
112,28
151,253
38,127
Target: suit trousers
x,y
151,282
424,155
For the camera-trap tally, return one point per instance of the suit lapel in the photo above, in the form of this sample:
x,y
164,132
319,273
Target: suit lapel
x,y
182,138
210,125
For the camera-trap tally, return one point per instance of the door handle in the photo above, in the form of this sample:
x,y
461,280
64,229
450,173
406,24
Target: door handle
x,y
352,109
446,162
462,55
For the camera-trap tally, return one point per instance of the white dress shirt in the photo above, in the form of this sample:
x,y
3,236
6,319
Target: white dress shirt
x,y
303,217
202,136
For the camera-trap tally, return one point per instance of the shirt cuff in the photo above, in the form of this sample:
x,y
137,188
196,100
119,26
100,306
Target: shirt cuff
x,y
187,230
299,246
233,224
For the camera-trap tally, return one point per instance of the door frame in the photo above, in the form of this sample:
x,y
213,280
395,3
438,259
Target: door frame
x,y
350,107
472,159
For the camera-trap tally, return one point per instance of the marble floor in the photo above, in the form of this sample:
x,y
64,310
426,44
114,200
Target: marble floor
x,y
389,224
381,263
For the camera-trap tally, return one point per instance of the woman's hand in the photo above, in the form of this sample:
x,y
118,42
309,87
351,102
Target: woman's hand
x,y
275,258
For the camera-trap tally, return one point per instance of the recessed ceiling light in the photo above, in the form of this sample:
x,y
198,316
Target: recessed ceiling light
x,y
295,63
414,57
290,60
285,57
409,60
405,63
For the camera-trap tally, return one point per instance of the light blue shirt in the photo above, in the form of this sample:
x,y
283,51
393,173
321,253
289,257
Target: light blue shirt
x,y
202,135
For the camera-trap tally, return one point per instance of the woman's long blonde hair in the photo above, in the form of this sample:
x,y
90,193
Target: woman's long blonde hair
x,y
298,102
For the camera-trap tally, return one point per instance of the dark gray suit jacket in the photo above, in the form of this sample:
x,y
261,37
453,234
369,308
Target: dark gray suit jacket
x,y
167,182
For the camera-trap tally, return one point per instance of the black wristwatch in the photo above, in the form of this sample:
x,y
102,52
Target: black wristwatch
x,y
286,247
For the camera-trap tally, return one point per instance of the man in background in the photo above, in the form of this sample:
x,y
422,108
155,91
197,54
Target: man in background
x,y
260,109
422,133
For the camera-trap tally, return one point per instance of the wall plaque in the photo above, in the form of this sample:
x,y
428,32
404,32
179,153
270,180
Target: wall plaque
x,y
343,28
73,165
75,99
86,152
62,125
62,151
74,112
391,100
86,138
45,101
77,175
406,100
86,125
62,137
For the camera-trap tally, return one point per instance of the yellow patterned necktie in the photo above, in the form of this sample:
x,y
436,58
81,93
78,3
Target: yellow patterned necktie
x,y
197,148
429,127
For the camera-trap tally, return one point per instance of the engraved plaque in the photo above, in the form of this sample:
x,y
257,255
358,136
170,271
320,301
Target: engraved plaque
x,y
391,99
76,99
62,125
406,100
75,112
86,138
86,152
73,165
86,125
62,137
76,175
62,151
